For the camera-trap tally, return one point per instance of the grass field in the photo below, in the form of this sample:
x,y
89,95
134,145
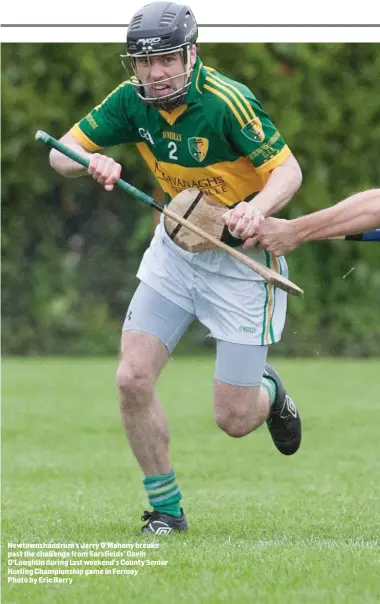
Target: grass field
x,y
264,528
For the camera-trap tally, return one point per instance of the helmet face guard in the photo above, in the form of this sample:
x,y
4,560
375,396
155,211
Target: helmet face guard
x,y
159,29
177,95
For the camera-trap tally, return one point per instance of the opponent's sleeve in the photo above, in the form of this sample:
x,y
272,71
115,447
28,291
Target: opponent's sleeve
x,y
109,123
253,133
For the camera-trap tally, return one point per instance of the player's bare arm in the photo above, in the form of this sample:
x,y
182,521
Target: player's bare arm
x,y
103,169
356,214
283,183
244,220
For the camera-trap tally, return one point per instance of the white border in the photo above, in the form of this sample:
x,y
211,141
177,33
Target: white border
x,y
206,11
291,12
206,34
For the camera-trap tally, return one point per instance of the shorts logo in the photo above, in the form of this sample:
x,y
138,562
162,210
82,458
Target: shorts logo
x,y
198,147
254,130
247,329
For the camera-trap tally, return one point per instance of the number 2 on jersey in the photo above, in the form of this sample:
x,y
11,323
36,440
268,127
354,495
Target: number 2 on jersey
x,y
173,150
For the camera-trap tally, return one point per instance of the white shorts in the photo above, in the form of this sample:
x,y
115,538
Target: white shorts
x,y
226,296
151,313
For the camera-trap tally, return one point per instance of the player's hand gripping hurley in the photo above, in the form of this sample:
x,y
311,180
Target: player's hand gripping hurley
x,y
266,273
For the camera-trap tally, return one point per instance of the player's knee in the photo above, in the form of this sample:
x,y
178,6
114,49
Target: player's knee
x,y
134,381
236,409
234,421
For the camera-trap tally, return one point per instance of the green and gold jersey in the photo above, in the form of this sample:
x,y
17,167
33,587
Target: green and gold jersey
x,y
220,142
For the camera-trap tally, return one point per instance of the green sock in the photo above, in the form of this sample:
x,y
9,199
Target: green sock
x,y
163,493
270,387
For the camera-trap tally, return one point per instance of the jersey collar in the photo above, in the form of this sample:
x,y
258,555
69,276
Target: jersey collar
x,y
197,81
193,96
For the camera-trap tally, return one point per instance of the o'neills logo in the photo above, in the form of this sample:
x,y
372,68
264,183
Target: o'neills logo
x,y
173,136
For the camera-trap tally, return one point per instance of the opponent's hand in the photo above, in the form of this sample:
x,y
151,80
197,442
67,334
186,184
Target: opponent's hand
x,y
243,221
277,235
104,170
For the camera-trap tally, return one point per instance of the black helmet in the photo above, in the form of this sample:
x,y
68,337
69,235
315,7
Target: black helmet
x,y
162,28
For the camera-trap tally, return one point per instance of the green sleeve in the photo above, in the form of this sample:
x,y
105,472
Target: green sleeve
x,y
252,132
111,122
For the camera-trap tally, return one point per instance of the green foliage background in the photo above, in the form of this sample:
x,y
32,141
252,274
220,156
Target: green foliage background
x,y
70,250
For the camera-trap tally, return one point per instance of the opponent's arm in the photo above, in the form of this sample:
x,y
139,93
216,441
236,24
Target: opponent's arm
x,y
356,214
